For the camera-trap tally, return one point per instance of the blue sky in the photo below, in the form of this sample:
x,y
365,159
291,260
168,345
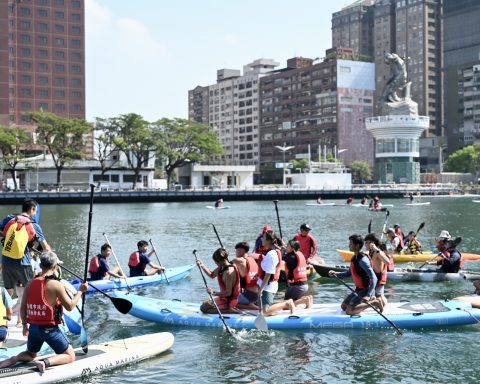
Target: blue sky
x,y
143,56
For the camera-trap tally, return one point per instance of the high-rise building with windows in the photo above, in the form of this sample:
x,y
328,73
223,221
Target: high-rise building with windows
x,y
230,107
413,30
42,59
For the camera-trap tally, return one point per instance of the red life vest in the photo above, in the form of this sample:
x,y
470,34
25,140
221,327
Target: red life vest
x,y
278,268
251,277
359,276
300,271
134,259
381,276
232,300
307,245
39,311
94,265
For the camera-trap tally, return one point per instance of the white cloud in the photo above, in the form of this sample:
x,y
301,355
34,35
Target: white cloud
x,y
97,18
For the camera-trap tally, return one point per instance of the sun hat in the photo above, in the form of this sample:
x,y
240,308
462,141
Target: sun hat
x,y
444,235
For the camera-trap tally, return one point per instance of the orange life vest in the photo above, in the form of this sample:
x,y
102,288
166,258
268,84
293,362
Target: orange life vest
x,y
307,245
94,265
300,271
359,276
39,311
278,268
232,300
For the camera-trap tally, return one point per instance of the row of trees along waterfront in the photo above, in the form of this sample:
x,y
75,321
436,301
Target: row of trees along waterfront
x,y
174,142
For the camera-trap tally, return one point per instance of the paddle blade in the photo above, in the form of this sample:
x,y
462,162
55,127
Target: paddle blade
x,y
122,305
261,323
84,340
370,226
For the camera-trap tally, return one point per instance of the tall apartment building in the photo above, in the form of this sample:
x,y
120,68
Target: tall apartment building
x,y
462,73
230,107
412,29
317,109
353,28
42,59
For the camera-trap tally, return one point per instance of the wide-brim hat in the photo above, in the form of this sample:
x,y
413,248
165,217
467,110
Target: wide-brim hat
x,y
444,235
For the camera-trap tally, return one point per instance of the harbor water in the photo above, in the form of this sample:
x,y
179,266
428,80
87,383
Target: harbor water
x,y
204,355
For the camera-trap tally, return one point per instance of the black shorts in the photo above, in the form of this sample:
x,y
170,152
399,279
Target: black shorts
x,y
353,299
16,275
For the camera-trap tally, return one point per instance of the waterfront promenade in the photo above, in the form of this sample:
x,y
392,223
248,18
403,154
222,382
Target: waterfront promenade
x,y
210,195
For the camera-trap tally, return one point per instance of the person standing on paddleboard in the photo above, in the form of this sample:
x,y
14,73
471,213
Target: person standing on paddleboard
x,y
363,276
16,257
42,307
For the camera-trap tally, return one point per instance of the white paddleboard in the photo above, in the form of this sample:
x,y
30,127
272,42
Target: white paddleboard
x,y
213,207
320,205
475,201
100,358
424,203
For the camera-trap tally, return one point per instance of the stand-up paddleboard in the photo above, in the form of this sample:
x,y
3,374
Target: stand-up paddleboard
x,y
100,358
475,201
408,274
321,205
173,274
415,204
213,207
358,205
319,317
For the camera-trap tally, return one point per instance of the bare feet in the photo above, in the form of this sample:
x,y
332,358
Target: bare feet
x,y
377,304
40,364
309,302
291,306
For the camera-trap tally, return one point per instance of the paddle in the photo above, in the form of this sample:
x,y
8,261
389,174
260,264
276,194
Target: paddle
x,y
278,218
116,260
385,224
122,305
260,322
227,328
159,263
83,338
370,305
370,226
216,233
457,241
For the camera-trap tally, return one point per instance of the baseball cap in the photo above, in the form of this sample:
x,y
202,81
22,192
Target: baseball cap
x,y
267,228
48,259
305,227
396,226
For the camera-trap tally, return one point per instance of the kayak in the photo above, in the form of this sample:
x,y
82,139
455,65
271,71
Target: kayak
x,y
319,317
213,207
472,299
408,274
416,204
100,358
368,206
173,274
418,258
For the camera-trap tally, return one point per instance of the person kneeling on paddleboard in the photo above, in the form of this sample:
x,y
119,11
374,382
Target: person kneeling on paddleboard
x,y
296,274
229,281
139,260
248,269
380,262
363,277
42,307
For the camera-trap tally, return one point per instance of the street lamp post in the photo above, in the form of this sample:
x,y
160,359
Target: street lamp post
x,y
284,149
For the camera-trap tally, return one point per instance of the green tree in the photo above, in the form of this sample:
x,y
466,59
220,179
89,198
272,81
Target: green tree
x,y
106,144
137,140
361,171
299,164
13,142
465,160
184,141
65,138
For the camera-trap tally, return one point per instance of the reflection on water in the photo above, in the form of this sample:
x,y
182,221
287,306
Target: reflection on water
x,y
210,355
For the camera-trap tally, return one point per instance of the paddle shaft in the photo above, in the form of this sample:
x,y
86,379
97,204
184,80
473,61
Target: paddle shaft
x,y
120,304
87,253
278,218
370,305
116,260
218,237
227,328
159,263
385,224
